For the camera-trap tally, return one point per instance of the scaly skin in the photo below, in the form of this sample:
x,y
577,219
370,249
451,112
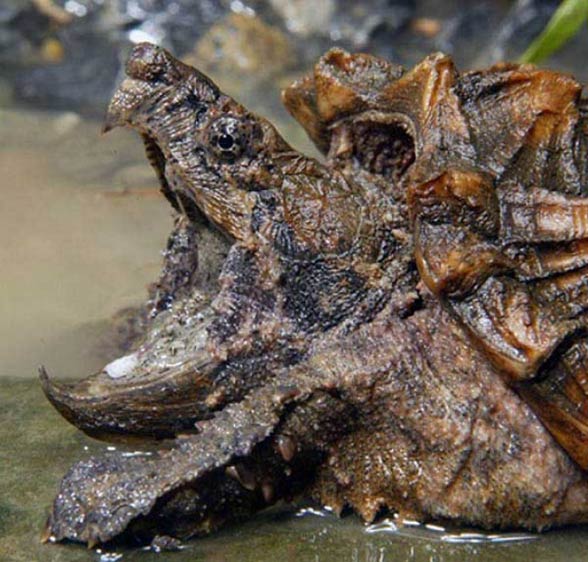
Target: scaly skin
x,y
319,329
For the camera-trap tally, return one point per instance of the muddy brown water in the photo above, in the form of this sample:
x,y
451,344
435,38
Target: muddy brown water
x,y
82,227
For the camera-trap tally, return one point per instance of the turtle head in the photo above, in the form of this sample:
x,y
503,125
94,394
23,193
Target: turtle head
x,y
210,151
210,155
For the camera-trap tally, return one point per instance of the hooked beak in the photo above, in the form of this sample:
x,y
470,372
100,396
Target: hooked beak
x,y
150,72
149,68
110,122
161,405
127,101
144,393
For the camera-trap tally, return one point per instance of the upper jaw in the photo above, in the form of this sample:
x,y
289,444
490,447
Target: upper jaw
x,y
148,69
127,102
155,76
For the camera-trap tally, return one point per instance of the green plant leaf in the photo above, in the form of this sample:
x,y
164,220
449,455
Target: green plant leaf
x,y
563,25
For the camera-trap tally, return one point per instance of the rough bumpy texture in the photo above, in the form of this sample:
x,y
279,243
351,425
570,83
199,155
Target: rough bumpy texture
x,y
380,331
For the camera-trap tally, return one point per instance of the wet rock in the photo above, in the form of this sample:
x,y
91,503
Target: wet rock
x,y
52,51
73,62
79,62
66,54
84,80
22,28
30,30
477,34
343,21
248,57
458,27
466,33
426,26
165,543
245,45
305,17
356,22
524,21
572,58
176,24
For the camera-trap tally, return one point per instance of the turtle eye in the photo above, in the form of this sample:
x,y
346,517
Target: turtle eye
x,y
229,137
225,142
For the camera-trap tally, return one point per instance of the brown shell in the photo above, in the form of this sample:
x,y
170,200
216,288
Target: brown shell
x,y
494,168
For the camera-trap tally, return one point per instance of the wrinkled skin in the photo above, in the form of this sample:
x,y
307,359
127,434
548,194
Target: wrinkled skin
x,y
380,331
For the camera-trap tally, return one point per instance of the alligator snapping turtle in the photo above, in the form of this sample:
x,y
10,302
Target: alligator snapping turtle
x,y
402,327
